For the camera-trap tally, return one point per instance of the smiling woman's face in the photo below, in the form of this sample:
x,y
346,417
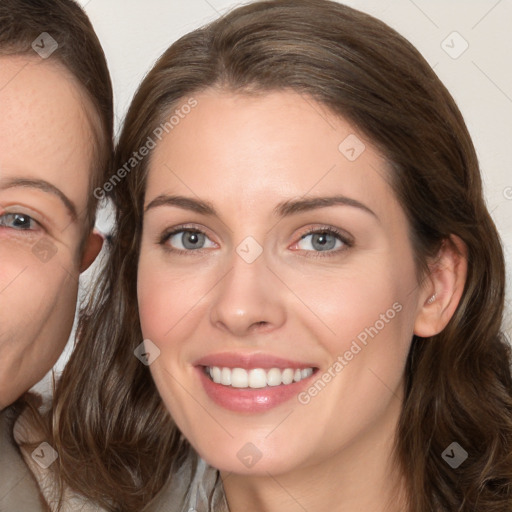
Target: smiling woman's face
x,y
272,243
46,152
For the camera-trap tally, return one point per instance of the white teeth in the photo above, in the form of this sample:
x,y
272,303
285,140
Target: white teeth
x,y
306,373
274,377
256,377
288,376
225,378
215,372
239,378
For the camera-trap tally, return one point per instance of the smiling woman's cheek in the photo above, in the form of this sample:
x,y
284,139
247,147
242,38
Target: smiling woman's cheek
x,y
167,293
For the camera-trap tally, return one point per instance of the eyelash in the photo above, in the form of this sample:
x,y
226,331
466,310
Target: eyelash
x,y
329,230
37,225
166,235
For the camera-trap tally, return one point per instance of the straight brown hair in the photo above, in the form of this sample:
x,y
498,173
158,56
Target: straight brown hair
x,y
118,445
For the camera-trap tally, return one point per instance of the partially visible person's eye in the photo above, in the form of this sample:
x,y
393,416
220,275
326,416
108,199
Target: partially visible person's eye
x,y
18,221
327,240
186,240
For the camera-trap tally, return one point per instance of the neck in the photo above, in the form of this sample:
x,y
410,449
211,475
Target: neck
x,y
360,476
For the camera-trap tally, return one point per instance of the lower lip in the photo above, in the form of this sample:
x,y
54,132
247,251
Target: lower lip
x,y
249,399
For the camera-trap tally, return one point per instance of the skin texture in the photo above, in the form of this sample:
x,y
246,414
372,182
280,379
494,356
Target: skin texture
x,y
45,134
245,155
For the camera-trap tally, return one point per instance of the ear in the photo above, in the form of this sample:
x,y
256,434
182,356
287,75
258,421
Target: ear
x,y
92,248
443,288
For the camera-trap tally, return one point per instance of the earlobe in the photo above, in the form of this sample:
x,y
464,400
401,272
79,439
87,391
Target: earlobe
x,y
443,289
92,249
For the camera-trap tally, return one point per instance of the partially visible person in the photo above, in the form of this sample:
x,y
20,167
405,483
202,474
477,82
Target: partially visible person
x,y
56,131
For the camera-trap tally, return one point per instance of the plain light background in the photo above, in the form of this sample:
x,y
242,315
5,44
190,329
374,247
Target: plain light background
x,y
134,33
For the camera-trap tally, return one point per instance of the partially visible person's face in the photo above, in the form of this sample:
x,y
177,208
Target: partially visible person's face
x,y
46,154
277,279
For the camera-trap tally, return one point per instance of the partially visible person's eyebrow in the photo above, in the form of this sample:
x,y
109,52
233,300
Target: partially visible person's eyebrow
x,y
45,187
284,209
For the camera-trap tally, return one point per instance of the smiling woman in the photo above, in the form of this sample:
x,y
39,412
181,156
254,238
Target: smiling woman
x,y
315,226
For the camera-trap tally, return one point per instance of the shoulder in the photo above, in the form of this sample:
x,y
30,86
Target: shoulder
x,y
40,457
18,488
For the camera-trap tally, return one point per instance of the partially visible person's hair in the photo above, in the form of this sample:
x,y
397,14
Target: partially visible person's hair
x,y
117,442
79,52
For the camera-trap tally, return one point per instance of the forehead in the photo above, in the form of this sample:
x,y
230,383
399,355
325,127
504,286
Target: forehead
x,y
45,130
239,150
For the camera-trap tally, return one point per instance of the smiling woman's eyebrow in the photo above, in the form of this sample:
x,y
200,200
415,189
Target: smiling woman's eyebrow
x,y
284,209
45,187
187,203
294,206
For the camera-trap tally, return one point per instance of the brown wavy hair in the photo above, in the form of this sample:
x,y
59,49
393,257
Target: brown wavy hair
x,y
118,445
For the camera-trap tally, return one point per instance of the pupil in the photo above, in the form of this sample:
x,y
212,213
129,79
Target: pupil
x,y
323,241
192,240
21,221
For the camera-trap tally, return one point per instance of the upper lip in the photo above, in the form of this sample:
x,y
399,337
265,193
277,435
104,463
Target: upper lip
x,y
250,361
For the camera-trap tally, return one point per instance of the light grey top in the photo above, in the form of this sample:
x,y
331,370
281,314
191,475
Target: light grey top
x,y
18,488
195,487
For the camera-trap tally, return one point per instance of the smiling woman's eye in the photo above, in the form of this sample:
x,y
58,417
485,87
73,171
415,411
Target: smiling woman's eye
x,y
187,240
18,221
322,240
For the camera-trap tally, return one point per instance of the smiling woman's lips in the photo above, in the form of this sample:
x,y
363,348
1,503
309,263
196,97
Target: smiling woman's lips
x,y
235,394
249,361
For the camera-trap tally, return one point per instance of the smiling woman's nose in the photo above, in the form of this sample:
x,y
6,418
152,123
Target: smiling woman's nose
x,y
248,300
